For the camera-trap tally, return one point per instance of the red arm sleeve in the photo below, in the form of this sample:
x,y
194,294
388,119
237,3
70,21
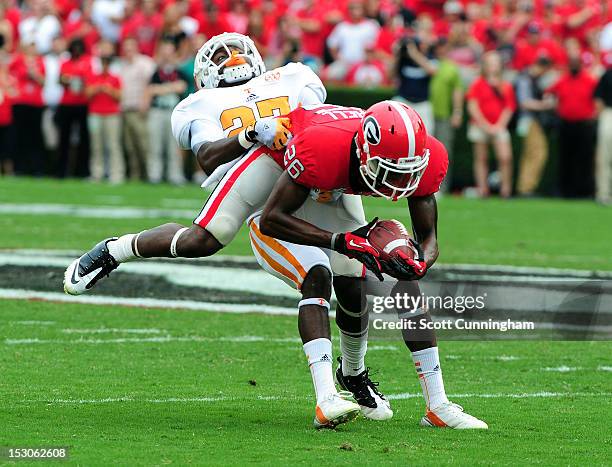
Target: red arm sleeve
x,y
436,169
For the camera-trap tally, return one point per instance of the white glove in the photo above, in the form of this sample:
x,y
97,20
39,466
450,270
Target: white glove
x,y
273,131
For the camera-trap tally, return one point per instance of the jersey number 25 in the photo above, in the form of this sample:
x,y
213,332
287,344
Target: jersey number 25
x,y
237,118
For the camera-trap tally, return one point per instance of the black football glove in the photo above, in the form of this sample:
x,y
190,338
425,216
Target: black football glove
x,y
405,268
355,245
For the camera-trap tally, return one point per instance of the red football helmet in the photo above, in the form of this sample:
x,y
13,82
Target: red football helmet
x,y
391,145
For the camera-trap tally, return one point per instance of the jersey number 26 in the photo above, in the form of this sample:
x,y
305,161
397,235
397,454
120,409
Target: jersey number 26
x,y
292,165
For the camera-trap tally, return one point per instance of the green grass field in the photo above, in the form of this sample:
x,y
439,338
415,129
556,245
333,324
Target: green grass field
x,y
142,386
188,400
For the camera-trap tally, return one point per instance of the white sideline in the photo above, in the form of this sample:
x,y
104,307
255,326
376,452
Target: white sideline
x,y
401,396
21,294
113,331
196,274
562,369
99,212
34,323
475,270
153,340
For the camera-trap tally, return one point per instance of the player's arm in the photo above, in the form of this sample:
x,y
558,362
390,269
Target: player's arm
x,y
278,221
424,216
212,154
273,132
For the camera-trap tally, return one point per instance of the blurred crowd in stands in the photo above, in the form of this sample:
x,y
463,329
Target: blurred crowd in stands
x,y
87,86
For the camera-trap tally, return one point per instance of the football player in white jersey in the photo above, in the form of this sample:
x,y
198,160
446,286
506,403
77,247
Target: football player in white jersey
x,y
229,123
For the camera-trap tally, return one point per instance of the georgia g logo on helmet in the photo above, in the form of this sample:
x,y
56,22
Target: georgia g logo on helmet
x,y
371,130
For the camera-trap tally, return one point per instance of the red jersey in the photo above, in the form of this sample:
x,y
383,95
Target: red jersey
x,y
146,31
102,103
29,91
6,100
492,102
575,96
320,154
78,70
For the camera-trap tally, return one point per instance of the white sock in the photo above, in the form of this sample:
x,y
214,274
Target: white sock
x,y
353,353
121,249
319,355
427,365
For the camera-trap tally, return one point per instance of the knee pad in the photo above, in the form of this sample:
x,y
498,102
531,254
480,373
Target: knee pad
x,y
223,228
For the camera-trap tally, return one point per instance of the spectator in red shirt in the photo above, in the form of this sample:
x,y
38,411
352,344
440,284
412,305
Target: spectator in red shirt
x,y
311,24
104,92
213,22
237,18
535,46
491,104
8,89
576,108
145,26
7,32
72,109
80,26
368,74
28,69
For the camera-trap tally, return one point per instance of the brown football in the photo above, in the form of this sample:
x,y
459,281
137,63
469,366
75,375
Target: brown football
x,y
390,236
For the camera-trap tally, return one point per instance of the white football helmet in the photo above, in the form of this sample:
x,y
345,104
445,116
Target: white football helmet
x,y
239,66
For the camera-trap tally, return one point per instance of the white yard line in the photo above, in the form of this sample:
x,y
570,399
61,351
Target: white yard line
x,y
151,340
524,395
114,331
34,323
95,211
186,275
482,270
147,302
562,369
401,396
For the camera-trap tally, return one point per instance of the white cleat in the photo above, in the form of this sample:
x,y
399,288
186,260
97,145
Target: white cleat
x,y
451,415
84,272
373,403
334,410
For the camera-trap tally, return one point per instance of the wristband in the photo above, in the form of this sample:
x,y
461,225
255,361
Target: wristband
x,y
243,140
333,240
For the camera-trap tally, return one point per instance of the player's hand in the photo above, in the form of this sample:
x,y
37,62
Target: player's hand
x,y
403,267
273,132
355,245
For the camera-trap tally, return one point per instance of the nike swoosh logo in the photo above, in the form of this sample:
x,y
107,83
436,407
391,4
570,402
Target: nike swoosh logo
x,y
356,245
75,279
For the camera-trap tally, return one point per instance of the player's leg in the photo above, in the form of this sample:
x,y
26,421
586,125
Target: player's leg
x,y
244,188
307,269
503,152
422,344
343,214
352,373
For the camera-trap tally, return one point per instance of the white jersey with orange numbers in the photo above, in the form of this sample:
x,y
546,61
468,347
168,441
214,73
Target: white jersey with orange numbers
x,y
213,114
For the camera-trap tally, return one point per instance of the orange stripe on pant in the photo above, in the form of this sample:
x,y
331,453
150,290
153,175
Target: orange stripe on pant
x,y
279,248
276,265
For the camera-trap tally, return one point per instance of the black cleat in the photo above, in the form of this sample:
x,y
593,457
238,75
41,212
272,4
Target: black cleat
x,y
84,272
374,405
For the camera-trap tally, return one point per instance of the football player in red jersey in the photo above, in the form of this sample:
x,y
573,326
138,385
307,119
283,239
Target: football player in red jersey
x,y
385,152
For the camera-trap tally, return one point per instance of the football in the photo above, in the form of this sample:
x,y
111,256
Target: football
x,y
390,236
